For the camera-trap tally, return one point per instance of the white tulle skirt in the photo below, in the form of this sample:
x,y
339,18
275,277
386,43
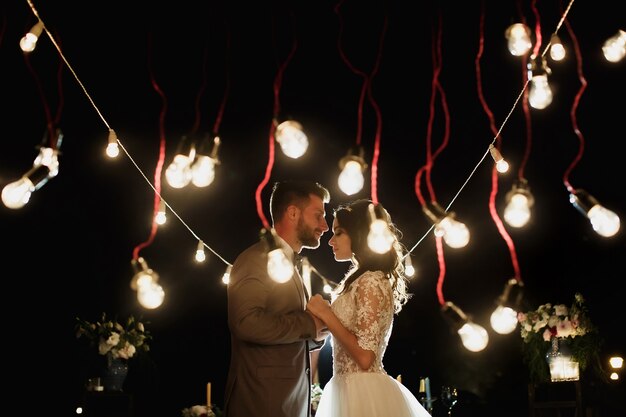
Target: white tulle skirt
x,y
368,395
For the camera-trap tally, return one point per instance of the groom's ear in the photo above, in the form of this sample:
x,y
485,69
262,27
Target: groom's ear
x,y
292,212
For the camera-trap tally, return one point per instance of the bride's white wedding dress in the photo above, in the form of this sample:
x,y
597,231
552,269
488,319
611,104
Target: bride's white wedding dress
x,y
367,310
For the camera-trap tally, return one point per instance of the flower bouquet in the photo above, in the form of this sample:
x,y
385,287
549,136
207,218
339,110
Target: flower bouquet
x,y
114,339
316,395
572,324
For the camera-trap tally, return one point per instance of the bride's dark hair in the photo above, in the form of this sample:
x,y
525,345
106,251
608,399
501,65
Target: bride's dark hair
x,y
355,219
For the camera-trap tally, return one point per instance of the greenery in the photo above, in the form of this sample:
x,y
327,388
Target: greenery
x,y
113,339
570,324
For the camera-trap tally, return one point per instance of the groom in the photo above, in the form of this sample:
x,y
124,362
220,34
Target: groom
x,y
271,333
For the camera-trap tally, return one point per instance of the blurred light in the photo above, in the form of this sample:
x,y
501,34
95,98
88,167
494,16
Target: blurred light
x,y
605,222
518,37
614,48
473,336
379,239
113,149
557,50
504,318
226,276
279,268
409,269
200,254
454,233
161,215
29,41
520,200
292,139
616,362
352,166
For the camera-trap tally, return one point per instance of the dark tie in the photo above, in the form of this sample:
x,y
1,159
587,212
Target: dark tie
x,y
297,263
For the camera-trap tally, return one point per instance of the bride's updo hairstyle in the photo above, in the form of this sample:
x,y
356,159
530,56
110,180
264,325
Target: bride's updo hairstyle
x,y
355,219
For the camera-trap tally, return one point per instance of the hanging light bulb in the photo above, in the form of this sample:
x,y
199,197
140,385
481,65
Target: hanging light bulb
x,y
200,254
150,294
161,215
504,318
409,269
352,167
112,150
454,233
16,195
379,239
473,336
203,169
501,165
292,139
279,267
178,172
614,48
605,222
540,93
143,274
29,41
518,37
557,50
520,200
226,276
327,287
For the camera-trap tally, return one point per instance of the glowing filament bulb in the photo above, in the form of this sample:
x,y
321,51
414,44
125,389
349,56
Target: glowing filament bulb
x,y
112,150
226,276
540,94
557,50
279,267
614,48
200,254
16,194
351,178
518,36
605,222
503,319
151,296
292,139
616,362
501,164
454,233
473,336
29,41
517,212
379,239
203,171
178,173
161,215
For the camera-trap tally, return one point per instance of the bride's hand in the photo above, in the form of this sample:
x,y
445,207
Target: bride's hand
x,y
318,306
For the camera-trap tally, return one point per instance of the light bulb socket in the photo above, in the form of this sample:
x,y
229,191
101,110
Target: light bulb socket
x,y
538,66
582,201
357,154
269,237
512,294
455,317
435,212
38,175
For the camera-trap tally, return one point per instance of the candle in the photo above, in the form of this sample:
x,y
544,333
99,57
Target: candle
x,y
427,383
208,394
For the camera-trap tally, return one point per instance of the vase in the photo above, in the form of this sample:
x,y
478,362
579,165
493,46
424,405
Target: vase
x,y
115,374
562,365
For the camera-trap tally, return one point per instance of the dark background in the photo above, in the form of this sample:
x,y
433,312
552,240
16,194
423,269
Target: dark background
x,y
68,251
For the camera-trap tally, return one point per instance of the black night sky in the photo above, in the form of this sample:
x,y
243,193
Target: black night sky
x,y
68,252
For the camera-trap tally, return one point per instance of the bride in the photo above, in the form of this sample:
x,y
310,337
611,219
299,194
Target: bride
x,y
360,320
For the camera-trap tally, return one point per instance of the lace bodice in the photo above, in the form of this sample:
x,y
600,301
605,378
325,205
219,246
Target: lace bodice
x,y
366,309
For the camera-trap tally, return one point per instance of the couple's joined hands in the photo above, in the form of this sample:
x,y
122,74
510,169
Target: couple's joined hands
x,y
319,308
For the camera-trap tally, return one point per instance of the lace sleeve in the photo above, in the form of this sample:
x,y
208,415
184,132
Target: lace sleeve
x,y
373,301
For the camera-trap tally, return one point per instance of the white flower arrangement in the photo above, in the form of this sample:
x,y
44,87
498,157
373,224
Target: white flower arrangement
x,y
113,339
